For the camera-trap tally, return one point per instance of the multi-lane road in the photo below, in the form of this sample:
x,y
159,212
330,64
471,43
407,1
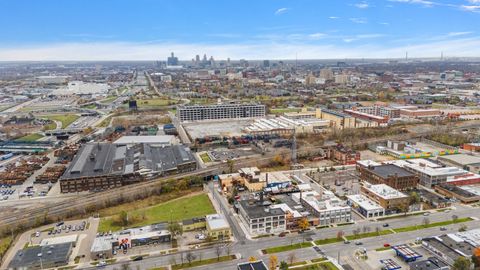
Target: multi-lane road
x,y
244,247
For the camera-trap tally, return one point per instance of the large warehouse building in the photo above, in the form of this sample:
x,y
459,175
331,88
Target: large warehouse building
x,y
100,166
220,111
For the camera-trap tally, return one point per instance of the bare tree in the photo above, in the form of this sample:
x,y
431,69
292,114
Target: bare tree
x,y
454,218
181,257
291,258
218,251
173,261
190,257
377,230
229,250
426,221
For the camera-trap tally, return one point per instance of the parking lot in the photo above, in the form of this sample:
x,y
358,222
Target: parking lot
x,y
60,229
342,182
6,191
224,154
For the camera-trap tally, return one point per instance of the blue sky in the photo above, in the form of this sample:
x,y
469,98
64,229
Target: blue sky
x,y
251,29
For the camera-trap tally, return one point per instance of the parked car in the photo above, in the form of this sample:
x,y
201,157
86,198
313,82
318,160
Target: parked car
x,y
386,225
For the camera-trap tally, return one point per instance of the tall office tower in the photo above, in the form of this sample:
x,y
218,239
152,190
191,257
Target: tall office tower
x,y
327,74
197,58
266,63
212,61
172,60
204,58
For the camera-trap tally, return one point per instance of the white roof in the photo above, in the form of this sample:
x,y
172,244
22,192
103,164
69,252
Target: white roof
x,y
364,202
462,159
367,163
385,191
216,222
286,209
160,139
59,240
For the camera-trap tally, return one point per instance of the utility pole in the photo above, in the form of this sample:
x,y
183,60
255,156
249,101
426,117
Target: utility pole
x,y
294,148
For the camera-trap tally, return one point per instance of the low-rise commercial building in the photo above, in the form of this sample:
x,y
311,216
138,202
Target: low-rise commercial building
x,y
100,166
339,120
463,161
103,246
473,147
260,218
326,207
217,227
388,174
459,193
193,224
257,265
254,180
390,199
343,155
365,206
448,247
286,126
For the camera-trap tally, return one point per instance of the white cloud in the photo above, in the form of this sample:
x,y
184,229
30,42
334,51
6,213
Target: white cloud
x,y
463,47
317,35
474,1
358,20
384,23
472,8
333,17
456,34
281,11
419,2
362,5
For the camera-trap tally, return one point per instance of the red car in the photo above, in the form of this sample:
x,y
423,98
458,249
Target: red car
x,y
386,245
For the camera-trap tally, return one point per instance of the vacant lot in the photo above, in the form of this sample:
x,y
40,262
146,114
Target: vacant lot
x,y
66,120
154,102
175,210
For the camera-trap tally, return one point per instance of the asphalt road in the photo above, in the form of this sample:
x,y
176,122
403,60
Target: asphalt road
x,y
244,248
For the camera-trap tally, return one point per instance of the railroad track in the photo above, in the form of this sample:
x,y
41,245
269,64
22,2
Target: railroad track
x,y
28,216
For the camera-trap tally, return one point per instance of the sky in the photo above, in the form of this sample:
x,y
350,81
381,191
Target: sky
x,y
237,29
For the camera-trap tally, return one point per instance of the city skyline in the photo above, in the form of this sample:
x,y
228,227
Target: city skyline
x,y
151,30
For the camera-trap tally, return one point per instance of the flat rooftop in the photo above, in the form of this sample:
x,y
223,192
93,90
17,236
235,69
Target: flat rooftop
x,y
385,191
160,139
389,170
364,202
462,159
255,209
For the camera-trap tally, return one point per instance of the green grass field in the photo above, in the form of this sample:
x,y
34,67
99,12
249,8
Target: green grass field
x,y
155,102
203,262
369,234
287,247
4,244
431,225
205,158
284,110
318,266
327,241
66,120
30,138
177,210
